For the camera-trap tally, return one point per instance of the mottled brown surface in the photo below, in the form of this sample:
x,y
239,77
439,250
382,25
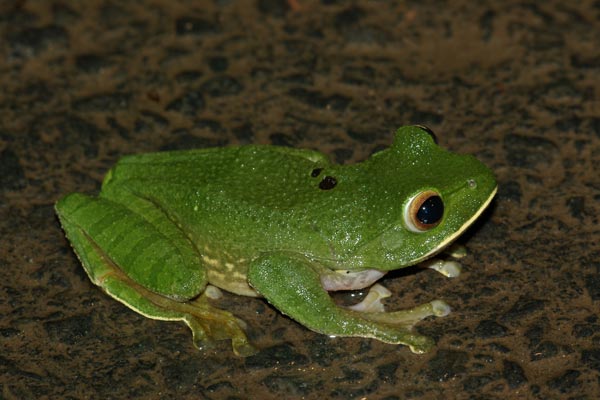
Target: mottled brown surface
x,y
515,83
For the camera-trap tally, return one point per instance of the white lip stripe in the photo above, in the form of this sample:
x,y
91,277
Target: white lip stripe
x,y
464,226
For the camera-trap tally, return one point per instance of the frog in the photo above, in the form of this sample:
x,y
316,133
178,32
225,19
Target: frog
x,y
169,231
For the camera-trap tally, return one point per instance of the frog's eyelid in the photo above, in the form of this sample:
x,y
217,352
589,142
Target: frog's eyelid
x,y
429,132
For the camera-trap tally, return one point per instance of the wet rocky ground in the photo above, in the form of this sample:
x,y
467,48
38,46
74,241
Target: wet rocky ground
x,y
515,83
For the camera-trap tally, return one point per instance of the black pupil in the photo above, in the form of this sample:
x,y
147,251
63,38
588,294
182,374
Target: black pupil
x,y
431,211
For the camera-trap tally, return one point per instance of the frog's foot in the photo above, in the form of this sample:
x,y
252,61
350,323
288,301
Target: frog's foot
x,y
293,285
372,304
209,323
213,292
406,319
448,268
456,251
372,301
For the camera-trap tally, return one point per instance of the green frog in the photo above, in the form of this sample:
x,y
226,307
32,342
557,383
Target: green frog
x,y
168,229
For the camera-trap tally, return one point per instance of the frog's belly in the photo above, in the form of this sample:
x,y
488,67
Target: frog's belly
x,y
230,275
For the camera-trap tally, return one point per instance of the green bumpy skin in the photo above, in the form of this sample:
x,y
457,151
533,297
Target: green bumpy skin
x,y
276,222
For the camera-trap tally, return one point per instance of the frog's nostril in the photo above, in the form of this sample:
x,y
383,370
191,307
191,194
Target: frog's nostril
x,y
472,183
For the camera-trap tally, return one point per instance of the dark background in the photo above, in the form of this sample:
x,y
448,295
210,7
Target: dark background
x,y
515,83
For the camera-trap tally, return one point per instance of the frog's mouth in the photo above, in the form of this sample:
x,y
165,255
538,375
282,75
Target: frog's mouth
x,y
452,237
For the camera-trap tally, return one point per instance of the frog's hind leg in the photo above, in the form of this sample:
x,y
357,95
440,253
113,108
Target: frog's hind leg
x,y
292,284
206,322
140,257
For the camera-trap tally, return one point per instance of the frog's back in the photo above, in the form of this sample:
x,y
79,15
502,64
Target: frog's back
x,y
222,168
256,197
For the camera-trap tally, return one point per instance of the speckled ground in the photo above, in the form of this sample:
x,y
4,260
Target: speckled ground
x,y
515,83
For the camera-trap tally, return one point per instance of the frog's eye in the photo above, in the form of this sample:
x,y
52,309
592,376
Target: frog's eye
x,y
424,211
429,132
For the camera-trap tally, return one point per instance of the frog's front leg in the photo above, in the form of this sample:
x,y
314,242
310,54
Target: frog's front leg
x,y
292,284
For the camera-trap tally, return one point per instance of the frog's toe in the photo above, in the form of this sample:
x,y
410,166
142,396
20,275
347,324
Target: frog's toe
x,y
242,348
209,324
421,344
205,332
450,269
456,251
239,341
440,308
372,301
199,338
213,292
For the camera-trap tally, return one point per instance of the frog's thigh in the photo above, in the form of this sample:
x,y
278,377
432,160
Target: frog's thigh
x,y
293,286
150,250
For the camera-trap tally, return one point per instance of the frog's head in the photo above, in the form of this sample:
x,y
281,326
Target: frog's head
x,y
440,195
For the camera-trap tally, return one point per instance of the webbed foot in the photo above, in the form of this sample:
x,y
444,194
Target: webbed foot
x,y
209,323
